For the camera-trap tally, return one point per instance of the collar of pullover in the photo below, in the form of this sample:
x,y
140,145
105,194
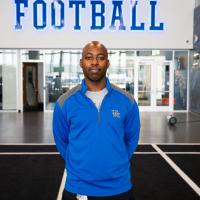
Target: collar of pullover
x,y
84,87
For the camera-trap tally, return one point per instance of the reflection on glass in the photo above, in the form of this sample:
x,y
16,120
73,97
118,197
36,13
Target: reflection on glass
x,y
168,55
144,85
162,85
0,84
195,60
180,89
195,82
180,80
197,3
8,90
62,73
162,98
144,98
181,60
121,70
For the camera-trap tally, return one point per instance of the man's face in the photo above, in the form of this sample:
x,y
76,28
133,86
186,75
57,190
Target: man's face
x,y
94,62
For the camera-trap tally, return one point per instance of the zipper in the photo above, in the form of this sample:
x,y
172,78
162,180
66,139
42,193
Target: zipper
x,y
98,111
99,115
93,105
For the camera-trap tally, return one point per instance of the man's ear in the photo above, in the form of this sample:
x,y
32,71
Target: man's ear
x,y
81,63
108,64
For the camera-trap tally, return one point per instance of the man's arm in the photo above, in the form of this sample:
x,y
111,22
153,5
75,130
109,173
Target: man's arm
x,y
60,130
132,129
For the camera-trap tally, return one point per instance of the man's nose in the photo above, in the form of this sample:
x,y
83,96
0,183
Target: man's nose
x,y
94,61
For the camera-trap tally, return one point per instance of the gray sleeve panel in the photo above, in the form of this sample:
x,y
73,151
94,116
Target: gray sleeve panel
x,y
114,87
68,94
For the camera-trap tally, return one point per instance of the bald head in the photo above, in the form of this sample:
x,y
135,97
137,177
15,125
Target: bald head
x,y
94,63
94,44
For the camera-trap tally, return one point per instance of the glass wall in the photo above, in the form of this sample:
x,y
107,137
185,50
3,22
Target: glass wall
x,y
162,84
62,73
197,3
166,55
1,79
142,73
150,68
8,89
180,80
195,82
121,70
144,84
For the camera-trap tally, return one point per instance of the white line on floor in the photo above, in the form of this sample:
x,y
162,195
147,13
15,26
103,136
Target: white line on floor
x,y
29,153
62,186
182,152
169,143
27,144
178,170
153,152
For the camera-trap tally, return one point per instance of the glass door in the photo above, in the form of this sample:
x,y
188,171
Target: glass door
x,y
154,85
145,84
163,84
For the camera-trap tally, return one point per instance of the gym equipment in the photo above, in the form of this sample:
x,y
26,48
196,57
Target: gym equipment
x,y
172,120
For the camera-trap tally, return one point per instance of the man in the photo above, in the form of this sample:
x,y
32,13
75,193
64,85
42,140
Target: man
x,y
96,129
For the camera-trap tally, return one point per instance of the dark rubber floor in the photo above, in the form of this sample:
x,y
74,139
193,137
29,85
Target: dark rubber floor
x,y
30,177
38,177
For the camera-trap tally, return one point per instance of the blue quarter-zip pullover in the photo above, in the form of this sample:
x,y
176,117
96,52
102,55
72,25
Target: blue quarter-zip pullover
x,y
96,145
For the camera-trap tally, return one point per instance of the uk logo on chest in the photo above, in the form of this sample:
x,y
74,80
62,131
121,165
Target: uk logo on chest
x,y
115,113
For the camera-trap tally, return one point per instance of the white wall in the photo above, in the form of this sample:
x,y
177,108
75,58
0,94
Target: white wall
x,y
177,16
